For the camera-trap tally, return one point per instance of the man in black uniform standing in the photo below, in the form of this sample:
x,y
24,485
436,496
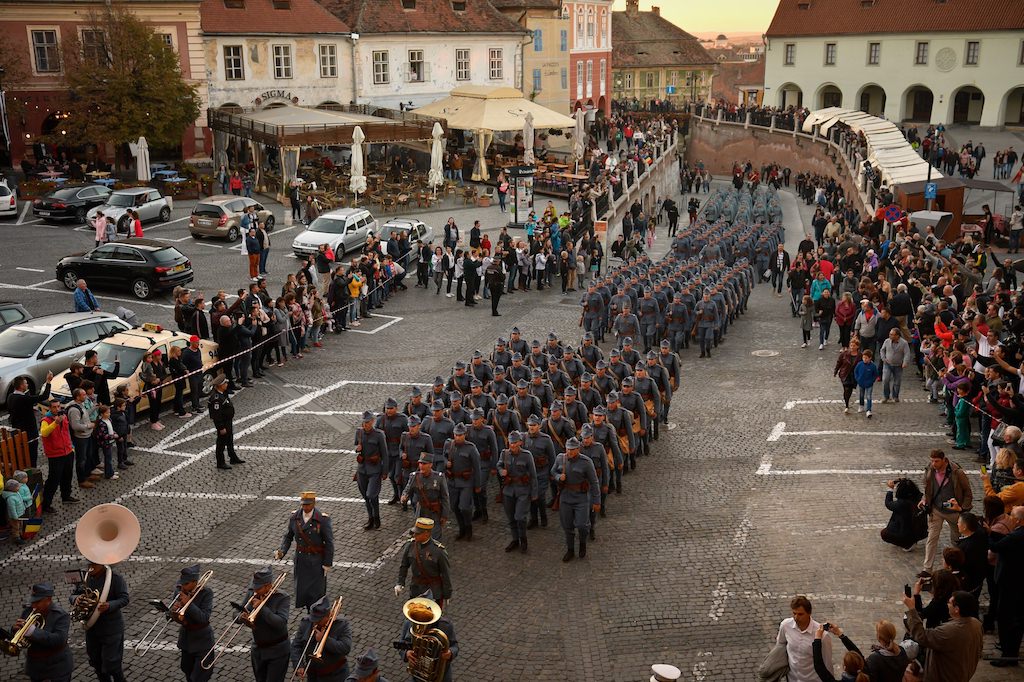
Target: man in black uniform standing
x,y
222,412
104,639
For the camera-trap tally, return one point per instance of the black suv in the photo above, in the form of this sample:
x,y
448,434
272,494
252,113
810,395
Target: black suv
x,y
144,265
70,203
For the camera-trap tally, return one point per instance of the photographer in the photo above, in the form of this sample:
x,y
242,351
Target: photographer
x,y
954,647
942,584
947,492
902,500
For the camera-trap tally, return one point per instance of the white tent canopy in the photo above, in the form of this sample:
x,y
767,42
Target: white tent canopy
x,y
479,107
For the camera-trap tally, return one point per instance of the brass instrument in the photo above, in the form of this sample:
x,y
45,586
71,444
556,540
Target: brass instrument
x,y
18,641
85,604
106,534
317,652
428,644
145,644
244,619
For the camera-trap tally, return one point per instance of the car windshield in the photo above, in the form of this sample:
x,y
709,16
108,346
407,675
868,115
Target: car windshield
x,y
19,343
168,255
328,225
68,193
4,191
123,200
129,358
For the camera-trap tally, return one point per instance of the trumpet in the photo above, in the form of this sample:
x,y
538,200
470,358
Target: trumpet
x,y
318,651
245,619
145,644
18,641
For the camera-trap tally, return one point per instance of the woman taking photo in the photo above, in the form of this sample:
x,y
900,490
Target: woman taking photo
x,y
152,377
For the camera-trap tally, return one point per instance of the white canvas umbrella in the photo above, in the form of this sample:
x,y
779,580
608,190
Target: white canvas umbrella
x,y
358,183
483,139
142,160
436,175
528,141
579,136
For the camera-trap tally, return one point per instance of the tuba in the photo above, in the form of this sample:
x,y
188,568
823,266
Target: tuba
x,y
427,643
106,534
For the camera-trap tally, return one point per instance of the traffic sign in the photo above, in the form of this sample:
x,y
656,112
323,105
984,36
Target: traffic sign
x,y
931,190
893,213
670,89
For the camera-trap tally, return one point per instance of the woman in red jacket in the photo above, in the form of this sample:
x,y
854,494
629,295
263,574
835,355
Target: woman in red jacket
x,y
846,311
236,184
136,224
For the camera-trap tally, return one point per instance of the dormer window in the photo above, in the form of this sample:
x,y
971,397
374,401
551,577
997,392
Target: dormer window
x,y
282,4
803,5
459,5
234,4
408,4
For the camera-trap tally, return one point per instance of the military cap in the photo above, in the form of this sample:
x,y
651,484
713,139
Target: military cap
x,y
586,431
477,413
476,383
517,356
628,341
460,429
423,524
390,402
436,406
652,355
587,376
366,664
368,416
307,496
602,364
572,444
220,380
665,673
666,344
501,399
414,420
615,352
556,405
500,342
460,365
499,369
647,290
477,355
515,437
40,591
189,574
455,396
568,350
677,296
522,384
552,336
588,336
535,344
600,410
438,381
425,458
320,609
536,373
628,381
533,419
515,330
262,577
613,396
640,366
570,390
416,391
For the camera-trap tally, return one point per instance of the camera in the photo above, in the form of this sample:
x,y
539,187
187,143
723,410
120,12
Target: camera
x,y
826,627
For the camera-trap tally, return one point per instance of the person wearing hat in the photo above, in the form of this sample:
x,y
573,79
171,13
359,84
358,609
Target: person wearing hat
x,y
481,371
616,304
457,413
630,356
708,320
650,316
524,403
49,656
572,366
516,343
459,380
222,413
393,425
605,381
518,371
478,400
596,452
605,436
579,494
540,445
501,356
590,353
415,405
618,368
464,478
542,390
553,349
314,550
593,311
501,385
573,409
104,640
428,491
536,359
269,652
665,673
437,392
669,359
555,378
195,637
678,322
484,438
192,359
445,625
371,461
317,624
427,560
366,667
411,446
517,475
440,429
626,325
503,420
650,396
626,424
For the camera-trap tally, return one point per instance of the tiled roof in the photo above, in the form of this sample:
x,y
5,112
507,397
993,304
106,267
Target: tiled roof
x,y
648,39
430,16
527,4
260,16
856,17
730,75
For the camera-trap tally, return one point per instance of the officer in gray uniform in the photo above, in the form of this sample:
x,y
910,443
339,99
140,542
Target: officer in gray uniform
x,y
659,374
104,641
463,474
518,476
540,445
678,323
626,325
579,494
650,314
622,420
428,490
195,637
427,559
504,421
595,451
49,656
486,442
457,413
708,320
478,400
393,425
651,397
593,311
573,409
560,430
589,396
501,385
517,344
459,380
269,653
440,429
619,302
314,550
525,403
371,453
605,435
416,406
412,444
333,665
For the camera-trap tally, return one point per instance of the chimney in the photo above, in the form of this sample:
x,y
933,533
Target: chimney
x,y
632,8
655,10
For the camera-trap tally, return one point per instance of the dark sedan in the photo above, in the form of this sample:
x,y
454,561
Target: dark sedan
x,y
144,265
70,203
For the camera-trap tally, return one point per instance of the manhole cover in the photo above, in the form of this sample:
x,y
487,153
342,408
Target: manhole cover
x,y
765,353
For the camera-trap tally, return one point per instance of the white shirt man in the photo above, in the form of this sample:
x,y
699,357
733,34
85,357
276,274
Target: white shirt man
x,y
797,633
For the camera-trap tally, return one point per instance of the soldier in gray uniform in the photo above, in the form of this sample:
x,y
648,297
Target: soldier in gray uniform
x,y
629,354
457,413
333,665
478,400
536,359
619,302
459,380
589,396
480,370
619,369
393,425
590,354
626,325
517,344
371,454
501,355
104,641
416,406
579,494
412,444
572,366
525,403
557,379
595,451
428,490
366,669
542,390
440,429
673,367
501,385
438,392
48,659
486,442
650,317
605,435
708,320
660,374
678,323
542,448
428,561
554,347
632,401
651,397
504,421
195,637
606,381
518,371
624,423
269,653
314,550
573,409
517,474
593,311
463,461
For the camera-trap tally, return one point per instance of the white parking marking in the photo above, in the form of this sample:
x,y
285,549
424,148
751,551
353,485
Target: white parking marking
x,y
175,495
39,284
382,327
777,432
165,239
33,270
24,211
274,448
230,561
169,222
327,413
889,434
828,401
162,451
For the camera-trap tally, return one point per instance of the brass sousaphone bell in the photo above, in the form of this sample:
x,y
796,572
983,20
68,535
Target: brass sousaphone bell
x,y
106,534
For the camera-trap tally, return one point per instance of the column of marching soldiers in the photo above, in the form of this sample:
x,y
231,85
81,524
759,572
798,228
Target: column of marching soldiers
x,y
542,425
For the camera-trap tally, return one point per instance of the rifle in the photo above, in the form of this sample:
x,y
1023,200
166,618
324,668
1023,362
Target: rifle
x,y
502,480
557,502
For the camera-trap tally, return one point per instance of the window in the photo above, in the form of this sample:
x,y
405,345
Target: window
x,y
580,28
565,78
1020,57
538,40
94,46
462,65
590,78
604,28
972,53
408,4
579,80
234,4
282,61
874,54
328,61
60,342
44,51
459,5
629,81
282,4
604,77
536,80
233,69
415,66
921,53
830,54
591,28
167,38
91,333
564,44
496,63
789,54
381,70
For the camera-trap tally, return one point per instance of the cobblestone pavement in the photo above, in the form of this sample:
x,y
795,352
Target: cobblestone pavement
x,y
694,565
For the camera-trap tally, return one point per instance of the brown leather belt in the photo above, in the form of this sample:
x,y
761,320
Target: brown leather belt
x,y
374,459
578,487
465,475
310,549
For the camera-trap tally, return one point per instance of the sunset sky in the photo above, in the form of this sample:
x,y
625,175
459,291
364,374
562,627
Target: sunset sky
x,y
735,16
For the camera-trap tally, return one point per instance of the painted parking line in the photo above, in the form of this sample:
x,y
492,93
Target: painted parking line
x,y
393,320
275,448
767,468
24,212
328,413
779,431
102,297
790,404
779,596
190,495
32,270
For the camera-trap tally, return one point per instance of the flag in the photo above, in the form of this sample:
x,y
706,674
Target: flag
x,y
34,524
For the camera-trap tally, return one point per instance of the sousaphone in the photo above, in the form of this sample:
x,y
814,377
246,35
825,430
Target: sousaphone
x,y
106,534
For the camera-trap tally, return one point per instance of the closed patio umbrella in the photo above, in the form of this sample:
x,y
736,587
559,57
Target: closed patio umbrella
x,y
436,175
358,183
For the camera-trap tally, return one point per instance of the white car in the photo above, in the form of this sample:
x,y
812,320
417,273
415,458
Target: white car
x,y
150,204
8,201
344,229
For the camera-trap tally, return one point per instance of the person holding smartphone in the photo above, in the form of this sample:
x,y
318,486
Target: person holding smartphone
x,y
947,492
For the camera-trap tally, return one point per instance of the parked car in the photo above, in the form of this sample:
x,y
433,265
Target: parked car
x,y
8,200
50,344
144,265
126,350
70,203
344,229
150,204
418,232
12,313
221,216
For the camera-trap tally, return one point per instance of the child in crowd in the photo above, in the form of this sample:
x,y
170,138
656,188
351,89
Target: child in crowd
x,y
105,441
122,432
806,313
866,373
962,414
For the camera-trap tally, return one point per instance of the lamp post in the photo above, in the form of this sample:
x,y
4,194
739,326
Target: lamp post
x,y
3,111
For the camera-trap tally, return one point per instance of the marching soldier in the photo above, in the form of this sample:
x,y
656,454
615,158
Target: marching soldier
x,y
48,659
393,425
542,391
504,421
478,400
428,561
578,495
440,429
606,436
524,403
571,366
660,374
412,444
444,624
557,379
574,410
501,385
670,361
486,442
518,371
596,452
196,636
678,324
366,668
314,550
463,462
416,407
554,347
457,413
589,396
222,413
622,420
371,454
650,314
269,653
605,381
518,476
459,380
590,353
501,356
482,372
438,393
619,369
593,312
630,356
536,359
708,320
632,401
517,344
540,445
626,325
428,490
651,397
104,641
616,305
333,665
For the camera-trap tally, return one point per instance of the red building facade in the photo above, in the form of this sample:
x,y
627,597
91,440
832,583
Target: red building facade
x,y
590,54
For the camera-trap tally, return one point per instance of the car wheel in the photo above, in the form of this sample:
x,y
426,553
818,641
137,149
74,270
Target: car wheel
x,y
197,236
80,214
70,280
207,385
165,214
141,288
233,234
269,223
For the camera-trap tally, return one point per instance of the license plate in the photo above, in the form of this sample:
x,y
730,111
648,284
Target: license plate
x,y
178,268
42,213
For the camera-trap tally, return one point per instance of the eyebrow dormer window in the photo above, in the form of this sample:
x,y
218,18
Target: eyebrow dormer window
x,y
408,4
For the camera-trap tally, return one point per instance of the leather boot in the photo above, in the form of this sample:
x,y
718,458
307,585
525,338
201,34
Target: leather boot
x,y
469,530
369,523
569,555
522,536
522,545
512,545
593,536
583,547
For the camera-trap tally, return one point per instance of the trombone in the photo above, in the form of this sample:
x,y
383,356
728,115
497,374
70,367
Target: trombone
x,y
244,619
19,641
145,644
318,651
